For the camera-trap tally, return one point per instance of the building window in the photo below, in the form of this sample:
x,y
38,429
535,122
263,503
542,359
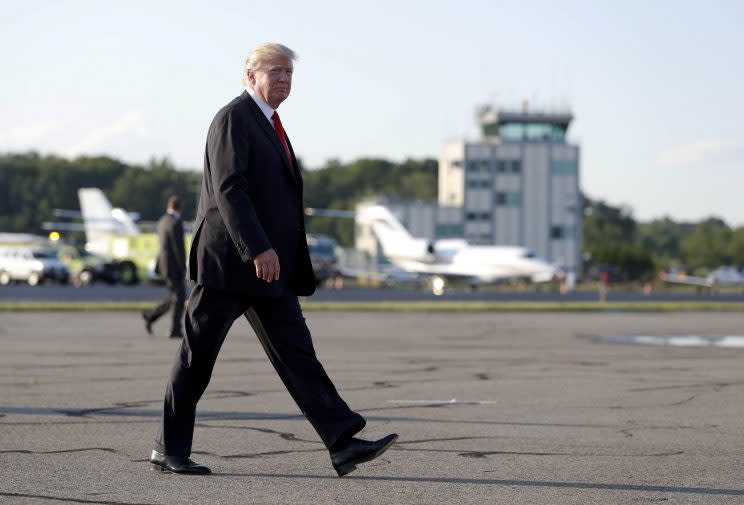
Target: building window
x,y
508,166
478,216
479,183
563,167
565,231
449,231
511,199
457,163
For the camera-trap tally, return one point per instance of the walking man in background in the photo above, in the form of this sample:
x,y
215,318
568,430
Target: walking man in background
x,y
171,266
249,256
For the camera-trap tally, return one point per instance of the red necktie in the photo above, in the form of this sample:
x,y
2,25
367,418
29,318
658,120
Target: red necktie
x,y
280,132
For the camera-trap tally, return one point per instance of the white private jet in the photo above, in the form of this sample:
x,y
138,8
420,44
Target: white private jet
x,y
448,258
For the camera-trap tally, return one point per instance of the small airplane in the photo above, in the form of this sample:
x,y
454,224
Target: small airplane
x,y
439,260
721,276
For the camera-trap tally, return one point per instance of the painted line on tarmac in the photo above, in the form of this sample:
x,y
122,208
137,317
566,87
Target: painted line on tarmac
x,y
451,401
724,341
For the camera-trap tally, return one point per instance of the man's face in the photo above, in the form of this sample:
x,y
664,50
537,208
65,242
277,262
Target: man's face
x,y
272,80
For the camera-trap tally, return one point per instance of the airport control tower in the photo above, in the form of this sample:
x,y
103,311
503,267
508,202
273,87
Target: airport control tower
x,y
517,185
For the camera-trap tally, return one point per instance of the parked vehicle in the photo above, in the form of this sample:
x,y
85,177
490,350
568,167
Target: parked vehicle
x,y
322,250
33,266
86,268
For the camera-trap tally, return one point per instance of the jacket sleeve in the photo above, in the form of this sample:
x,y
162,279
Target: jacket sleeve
x,y
178,245
228,148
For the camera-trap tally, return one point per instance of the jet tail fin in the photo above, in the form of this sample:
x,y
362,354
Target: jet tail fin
x,y
101,220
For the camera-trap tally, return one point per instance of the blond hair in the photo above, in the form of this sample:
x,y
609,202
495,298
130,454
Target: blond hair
x,y
264,52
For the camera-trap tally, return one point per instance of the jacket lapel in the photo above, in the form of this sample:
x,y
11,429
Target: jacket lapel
x,y
271,134
295,166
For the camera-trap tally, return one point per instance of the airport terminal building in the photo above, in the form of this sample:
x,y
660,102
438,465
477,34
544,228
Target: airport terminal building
x,y
517,185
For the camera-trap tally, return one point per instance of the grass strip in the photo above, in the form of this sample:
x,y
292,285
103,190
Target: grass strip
x,y
415,306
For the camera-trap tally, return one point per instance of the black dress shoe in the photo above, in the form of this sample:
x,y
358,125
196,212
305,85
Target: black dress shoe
x,y
148,323
358,451
176,464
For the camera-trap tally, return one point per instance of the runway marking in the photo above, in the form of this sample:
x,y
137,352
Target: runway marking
x,y
451,401
725,341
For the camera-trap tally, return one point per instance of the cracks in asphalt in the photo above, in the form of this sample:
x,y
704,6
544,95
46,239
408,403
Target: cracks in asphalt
x,y
485,454
285,435
114,407
65,423
35,366
62,451
69,500
681,402
715,386
431,368
446,439
214,395
255,455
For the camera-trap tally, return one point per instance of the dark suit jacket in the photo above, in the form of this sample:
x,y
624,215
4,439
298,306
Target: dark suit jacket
x,y
171,263
250,201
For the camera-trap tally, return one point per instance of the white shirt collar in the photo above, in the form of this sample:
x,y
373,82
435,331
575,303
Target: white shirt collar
x,y
265,107
174,213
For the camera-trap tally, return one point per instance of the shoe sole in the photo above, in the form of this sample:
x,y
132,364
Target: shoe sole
x,y
349,467
157,468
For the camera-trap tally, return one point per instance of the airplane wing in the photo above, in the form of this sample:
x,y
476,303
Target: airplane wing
x,y
386,275
63,226
681,278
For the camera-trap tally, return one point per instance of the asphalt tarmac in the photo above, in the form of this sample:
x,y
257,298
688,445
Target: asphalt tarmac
x,y
490,408
149,293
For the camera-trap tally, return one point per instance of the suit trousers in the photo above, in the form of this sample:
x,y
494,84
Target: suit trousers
x,y
175,299
281,329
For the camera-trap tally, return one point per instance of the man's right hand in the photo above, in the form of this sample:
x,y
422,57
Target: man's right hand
x,y
267,266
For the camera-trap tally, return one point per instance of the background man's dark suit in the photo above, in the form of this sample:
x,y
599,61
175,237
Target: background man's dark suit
x,y
171,266
250,202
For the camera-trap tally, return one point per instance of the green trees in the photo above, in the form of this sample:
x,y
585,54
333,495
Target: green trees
x,y
709,244
611,238
33,186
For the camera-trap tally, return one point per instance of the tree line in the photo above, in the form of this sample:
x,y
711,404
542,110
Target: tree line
x,y
34,185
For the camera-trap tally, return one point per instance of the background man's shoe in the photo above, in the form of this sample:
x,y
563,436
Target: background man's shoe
x,y
176,464
148,323
358,451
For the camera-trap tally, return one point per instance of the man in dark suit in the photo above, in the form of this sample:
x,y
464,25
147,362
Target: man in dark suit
x,y
171,266
249,256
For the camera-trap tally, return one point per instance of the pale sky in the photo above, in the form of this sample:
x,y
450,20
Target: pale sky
x,y
656,88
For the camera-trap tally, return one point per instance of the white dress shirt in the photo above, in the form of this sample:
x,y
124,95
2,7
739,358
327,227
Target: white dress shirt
x,y
265,107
